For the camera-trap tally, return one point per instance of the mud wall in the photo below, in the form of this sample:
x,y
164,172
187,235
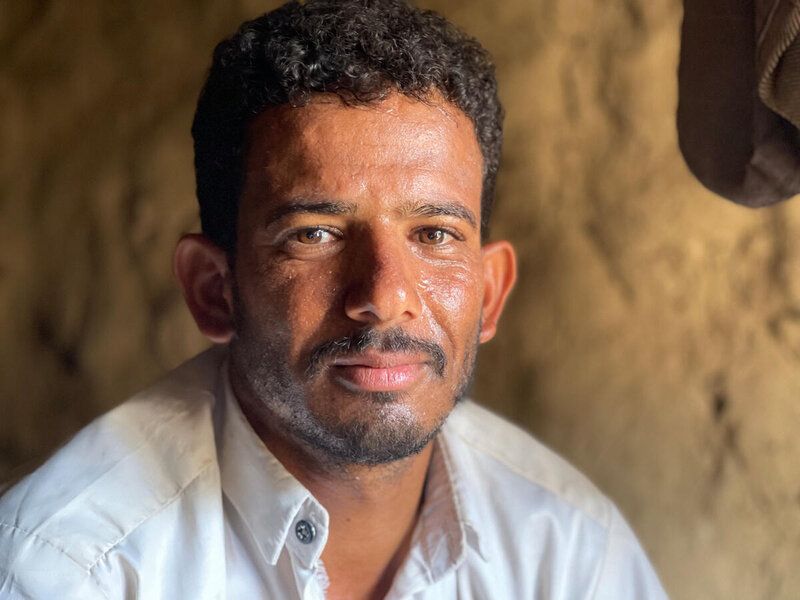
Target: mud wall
x,y
654,337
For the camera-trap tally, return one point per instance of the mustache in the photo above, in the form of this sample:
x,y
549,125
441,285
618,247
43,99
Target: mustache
x,y
391,340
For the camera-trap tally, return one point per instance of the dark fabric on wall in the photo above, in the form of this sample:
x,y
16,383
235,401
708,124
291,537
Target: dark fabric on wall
x,y
739,83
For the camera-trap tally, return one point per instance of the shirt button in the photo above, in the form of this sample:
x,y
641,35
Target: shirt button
x,y
305,532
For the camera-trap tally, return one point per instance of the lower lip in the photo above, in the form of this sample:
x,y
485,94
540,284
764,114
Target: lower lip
x,y
378,379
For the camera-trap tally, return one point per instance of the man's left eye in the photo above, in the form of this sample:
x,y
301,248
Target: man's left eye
x,y
313,236
434,236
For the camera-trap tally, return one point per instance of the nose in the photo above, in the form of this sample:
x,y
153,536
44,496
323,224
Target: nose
x,y
383,287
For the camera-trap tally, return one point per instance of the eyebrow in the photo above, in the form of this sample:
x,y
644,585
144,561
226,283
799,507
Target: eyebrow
x,y
310,207
424,209
450,209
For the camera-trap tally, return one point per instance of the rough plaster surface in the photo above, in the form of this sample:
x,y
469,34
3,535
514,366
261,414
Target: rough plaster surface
x,y
654,337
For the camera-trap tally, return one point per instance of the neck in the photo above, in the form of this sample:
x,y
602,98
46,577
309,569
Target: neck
x,y
373,512
372,508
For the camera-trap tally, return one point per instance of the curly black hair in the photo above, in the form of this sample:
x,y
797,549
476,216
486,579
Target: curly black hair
x,y
361,50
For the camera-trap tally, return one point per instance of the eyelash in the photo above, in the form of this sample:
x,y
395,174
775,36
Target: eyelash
x,y
292,236
443,228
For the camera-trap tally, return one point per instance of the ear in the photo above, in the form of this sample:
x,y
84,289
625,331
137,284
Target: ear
x,y
499,275
201,268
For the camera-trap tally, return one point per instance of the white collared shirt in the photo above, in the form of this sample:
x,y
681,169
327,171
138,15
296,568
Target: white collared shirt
x,y
172,495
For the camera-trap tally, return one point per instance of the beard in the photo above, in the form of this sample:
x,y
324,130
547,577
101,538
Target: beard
x,y
379,428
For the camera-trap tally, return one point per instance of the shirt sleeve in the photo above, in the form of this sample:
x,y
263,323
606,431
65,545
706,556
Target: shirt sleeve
x,y
34,569
626,572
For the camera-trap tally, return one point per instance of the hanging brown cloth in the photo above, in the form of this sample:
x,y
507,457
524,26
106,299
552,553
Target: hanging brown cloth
x,y
739,97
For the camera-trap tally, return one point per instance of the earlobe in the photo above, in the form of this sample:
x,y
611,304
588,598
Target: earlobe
x,y
499,275
201,268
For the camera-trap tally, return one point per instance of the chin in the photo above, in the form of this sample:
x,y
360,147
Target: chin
x,y
376,428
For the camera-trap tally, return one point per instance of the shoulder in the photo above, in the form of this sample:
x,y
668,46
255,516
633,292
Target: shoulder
x,y
539,512
503,451
115,474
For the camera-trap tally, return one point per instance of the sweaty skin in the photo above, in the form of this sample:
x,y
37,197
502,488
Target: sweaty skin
x,y
355,218
358,294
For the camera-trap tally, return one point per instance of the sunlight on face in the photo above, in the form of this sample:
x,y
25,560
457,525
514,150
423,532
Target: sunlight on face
x,y
359,279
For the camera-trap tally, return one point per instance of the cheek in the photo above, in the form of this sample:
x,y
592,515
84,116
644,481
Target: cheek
x,y
455,296
285,298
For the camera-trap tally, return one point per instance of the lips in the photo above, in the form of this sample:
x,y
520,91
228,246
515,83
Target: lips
x,y
379,371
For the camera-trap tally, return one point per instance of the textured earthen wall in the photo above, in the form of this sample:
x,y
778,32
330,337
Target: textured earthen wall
x,y
654,337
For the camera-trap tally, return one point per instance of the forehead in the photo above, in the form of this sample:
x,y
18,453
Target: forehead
x,y
392,149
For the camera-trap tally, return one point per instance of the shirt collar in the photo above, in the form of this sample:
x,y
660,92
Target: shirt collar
x,y
453,469
448,521
267,497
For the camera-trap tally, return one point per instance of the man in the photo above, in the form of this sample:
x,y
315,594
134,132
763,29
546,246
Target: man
x,y
346,153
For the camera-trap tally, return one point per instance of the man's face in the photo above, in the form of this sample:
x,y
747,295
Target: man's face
x,y
358,273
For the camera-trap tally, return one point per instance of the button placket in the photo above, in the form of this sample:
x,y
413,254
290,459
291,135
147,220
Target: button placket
x,y
306,540
305,531
309,531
